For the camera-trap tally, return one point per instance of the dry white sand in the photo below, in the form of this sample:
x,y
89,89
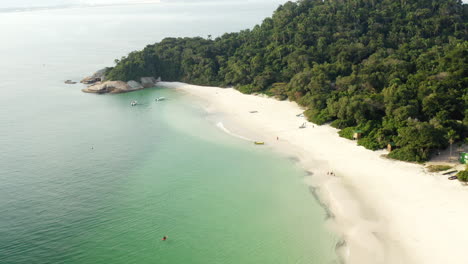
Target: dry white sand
x,y
387,211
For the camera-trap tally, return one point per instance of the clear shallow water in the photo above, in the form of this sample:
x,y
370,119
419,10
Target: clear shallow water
x,y
89,179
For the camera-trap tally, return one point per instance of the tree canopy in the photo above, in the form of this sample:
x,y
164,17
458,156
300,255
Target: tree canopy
x,y
397,70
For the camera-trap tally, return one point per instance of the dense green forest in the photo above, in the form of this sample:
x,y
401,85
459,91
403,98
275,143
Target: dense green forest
x,y
395,69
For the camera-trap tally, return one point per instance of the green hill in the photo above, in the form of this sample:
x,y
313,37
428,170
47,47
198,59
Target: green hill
x,y
397,70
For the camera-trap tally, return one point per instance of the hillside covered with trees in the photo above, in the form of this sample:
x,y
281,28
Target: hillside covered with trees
x,y
396,70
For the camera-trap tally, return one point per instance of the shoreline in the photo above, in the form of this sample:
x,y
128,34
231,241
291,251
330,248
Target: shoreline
x,y
387,211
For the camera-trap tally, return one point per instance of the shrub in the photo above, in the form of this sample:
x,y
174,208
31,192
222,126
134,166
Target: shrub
x,y
340,123
463,176
417,140
246,89
317,117
278,90
370,143
406,154
347,132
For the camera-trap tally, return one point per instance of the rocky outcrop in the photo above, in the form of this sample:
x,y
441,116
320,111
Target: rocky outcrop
x,y
97,84
98,76
109,87
135,85
119,86
148,82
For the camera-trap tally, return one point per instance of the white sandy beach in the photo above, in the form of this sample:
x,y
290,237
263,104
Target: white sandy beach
x,y
387,211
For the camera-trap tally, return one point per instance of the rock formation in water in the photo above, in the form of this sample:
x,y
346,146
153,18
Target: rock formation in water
x,y
108,87
98,84
98,76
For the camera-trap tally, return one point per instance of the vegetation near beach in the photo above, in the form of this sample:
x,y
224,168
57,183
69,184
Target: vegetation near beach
x,y
463,175
396,70
437,168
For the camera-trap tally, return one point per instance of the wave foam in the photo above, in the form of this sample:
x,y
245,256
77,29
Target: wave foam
x,y
222,127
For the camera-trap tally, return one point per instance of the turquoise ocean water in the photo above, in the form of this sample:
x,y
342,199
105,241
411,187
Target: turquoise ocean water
x,y
89,179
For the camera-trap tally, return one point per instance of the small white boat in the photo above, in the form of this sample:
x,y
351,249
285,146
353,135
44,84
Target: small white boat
x,y
133,103
160,99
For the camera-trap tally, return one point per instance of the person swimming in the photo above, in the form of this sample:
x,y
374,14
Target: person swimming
x,y
164,238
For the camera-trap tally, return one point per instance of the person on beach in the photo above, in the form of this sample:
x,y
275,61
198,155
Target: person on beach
x,y
164,238
277,138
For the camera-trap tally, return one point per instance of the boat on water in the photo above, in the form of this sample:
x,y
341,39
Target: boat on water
x,y
133,103
259,143
160,99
